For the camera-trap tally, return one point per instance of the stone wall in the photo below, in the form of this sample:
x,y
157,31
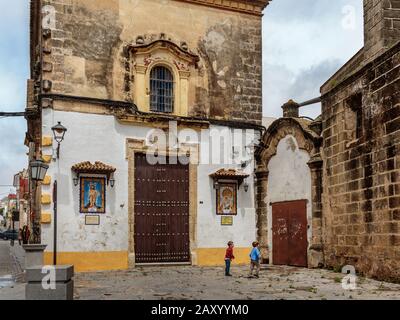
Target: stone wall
x,y
381,25
361,171
84,54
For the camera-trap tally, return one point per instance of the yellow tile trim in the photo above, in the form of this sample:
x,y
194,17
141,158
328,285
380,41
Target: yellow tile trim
x,y
46,199
47,141
215,256
90,261
47,158
46,218
47,180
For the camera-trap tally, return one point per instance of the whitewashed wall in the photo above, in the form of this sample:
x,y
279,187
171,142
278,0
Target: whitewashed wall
x,y
289,179
89,138
101,138
211,234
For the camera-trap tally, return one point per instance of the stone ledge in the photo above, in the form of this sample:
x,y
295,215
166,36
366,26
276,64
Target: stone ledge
x,y
63,273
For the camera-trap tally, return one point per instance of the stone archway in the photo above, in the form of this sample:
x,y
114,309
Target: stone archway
x,y
296,135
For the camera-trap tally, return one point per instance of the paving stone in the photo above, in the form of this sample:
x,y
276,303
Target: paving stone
x,y
178,283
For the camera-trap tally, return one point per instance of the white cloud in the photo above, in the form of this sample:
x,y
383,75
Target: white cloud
x,y
304,43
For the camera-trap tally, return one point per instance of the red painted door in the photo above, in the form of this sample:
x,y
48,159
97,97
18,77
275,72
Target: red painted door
x,y
289,233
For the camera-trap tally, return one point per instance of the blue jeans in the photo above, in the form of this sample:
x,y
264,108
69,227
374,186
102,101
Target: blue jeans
x,y
227,266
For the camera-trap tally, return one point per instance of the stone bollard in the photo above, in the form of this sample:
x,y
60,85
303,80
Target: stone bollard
x,y
34,254
41,285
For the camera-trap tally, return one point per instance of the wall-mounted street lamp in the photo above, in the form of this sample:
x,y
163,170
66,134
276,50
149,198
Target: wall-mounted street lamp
x,y
112,181
38,170
76,180
37,173
59,132
246,186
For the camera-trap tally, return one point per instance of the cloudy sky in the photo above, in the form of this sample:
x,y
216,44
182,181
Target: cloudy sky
x,y
305,42
14,62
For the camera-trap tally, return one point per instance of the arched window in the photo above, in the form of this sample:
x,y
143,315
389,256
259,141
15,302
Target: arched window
x,y
161,90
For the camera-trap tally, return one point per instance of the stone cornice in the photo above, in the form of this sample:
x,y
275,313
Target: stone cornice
x,y
254,7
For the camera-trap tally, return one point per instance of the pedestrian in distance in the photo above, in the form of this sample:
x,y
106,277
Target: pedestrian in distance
x,y
20,236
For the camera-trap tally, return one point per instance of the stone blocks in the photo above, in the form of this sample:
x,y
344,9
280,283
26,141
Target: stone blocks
x,y
38,288
361,152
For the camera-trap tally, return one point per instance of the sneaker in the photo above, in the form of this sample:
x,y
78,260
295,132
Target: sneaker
x,y
228,275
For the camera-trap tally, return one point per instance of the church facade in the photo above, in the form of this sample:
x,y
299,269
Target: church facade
x,y
162,102
166,159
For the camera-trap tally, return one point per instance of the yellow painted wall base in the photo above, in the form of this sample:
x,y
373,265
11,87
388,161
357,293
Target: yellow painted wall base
x,y
118,260
216,256
90,261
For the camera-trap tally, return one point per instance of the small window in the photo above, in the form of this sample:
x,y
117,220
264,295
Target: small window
x,y
161,90
355,104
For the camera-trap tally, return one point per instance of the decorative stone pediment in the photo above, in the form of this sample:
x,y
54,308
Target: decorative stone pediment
x,y
298,128
150,51
180,56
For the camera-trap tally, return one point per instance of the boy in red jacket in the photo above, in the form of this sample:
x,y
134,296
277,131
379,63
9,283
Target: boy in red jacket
x,y
228,258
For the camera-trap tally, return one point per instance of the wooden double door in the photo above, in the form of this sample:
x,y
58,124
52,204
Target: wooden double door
x,y
289,229
161,212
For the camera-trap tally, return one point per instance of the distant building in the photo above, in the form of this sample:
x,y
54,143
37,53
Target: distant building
x,y
10,207
3,204
21,183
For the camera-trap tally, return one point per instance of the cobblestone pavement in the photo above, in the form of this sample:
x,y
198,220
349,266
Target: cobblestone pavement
x,y
275,283
5,258
6,278
187,283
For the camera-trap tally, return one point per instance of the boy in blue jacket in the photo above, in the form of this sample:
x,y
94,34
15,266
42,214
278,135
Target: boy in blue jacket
x,y
255,257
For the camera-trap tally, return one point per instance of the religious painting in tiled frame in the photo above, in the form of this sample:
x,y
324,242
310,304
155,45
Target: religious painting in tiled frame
x,y
227,199
92,195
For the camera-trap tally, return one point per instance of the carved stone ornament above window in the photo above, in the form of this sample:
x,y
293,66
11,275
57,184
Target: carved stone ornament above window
x,y
149,53
180,52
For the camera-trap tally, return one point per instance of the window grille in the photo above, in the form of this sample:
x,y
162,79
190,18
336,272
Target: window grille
x,y
161,90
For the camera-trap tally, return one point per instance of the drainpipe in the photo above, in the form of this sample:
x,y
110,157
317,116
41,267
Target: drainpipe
x,y
310,102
